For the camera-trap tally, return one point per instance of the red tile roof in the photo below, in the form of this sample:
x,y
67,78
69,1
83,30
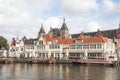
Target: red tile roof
x,y
50,38
69,41
95,39
85,39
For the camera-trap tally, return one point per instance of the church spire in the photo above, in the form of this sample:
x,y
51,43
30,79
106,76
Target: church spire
x,y
41,32
64,32
42,29
64,20
64,26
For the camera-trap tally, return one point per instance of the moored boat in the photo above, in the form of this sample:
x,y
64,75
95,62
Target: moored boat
x,y
93,61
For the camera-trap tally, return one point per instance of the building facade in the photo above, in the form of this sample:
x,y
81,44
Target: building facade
x,y
113,33
59,45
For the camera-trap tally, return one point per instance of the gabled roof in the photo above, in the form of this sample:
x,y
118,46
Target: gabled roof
x,y
81,37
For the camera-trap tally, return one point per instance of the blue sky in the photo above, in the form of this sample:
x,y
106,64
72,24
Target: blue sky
x,y
20,18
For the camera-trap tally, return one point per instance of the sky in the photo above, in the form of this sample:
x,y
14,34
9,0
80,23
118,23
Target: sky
x,y
20,18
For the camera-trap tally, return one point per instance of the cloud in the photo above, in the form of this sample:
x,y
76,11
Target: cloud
x,y
78,6
23,17
53,21
92,26
111,7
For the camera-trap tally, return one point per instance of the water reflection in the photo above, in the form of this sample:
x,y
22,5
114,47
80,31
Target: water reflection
x,y
57,72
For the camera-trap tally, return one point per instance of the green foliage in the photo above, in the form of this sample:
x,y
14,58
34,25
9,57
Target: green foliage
x,y
3,43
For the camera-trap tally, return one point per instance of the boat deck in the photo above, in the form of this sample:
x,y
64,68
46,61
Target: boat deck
x,y
93,61
6,60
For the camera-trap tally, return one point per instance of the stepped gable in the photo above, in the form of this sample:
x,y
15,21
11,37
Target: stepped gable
x,y
13,43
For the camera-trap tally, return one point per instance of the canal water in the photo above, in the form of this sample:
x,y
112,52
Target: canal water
x,y
57,72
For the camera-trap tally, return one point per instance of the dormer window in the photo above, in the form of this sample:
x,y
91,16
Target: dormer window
x,y
35,43
109,40
54,41
78,41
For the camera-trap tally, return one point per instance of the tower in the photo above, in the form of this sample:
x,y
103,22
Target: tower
x,y
98,33
41,32
118,32
64,32
54,32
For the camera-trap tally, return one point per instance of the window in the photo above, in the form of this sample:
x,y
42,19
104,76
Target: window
x,y
17,48
92,46
52,54
54,46
85,46
72,46
54,41
32,47
79,46
99,46
21,49
35,43
41,42
78,41
41,47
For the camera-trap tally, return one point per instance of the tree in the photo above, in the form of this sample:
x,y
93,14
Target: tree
x,y
3,42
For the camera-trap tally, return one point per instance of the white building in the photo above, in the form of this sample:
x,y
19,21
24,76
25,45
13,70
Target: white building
x,y
63,47
47,46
